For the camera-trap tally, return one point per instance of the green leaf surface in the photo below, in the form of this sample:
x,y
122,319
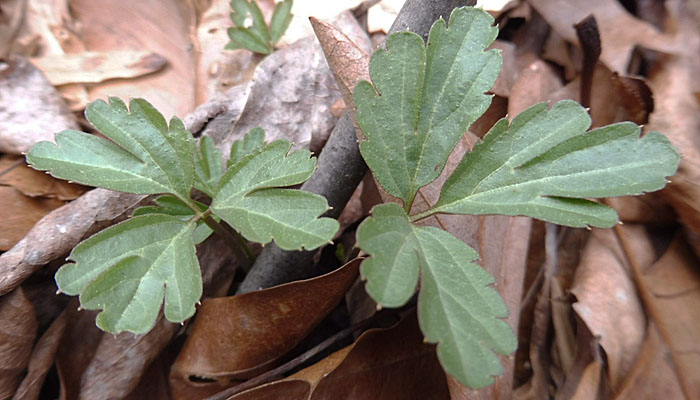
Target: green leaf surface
x,y
126,271
170,205
544,165
249,199
245,38
251,141
250,30
456,306
281,18
209,167
144,155
424,99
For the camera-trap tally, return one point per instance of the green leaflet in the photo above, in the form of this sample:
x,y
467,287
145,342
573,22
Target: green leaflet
x,y
250,31
249,200
126,271
144,156
456,307
251,141
280,20
544,165
423,100
170,205
209,166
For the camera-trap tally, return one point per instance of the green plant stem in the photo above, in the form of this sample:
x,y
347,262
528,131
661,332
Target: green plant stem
x,y
425,214
234,240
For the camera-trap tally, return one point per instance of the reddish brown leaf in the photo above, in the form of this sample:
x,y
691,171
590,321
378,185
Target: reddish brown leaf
x,y
19,213
607,299
349,62
674,286
619,31
535,84
34,183
654,375
677,115
241,336
17,332
387,364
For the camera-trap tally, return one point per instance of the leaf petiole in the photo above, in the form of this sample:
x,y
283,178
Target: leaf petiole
x,y
233,239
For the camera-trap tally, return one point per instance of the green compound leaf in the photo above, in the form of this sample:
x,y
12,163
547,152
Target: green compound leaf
x,y
208,167
170,205
251,141
544,165
250,30
126,271
281,18
423,100
249,199
144,156
456,307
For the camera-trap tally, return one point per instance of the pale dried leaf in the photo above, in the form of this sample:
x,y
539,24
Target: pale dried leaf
x,y
31,110
620,32
95,67
171,90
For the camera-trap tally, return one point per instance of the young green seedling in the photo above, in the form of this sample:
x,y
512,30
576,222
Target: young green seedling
x,y
128,269
543,164
250,31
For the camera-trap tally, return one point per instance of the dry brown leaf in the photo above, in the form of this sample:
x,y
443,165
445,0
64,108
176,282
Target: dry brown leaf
x,y
535,84
42,360
30,182
31,110
158,26
614,98
654,375
607,299
674,285
509,69
96,67
11,16
243,335
19,213
17,332
76,350
382,364
349,62
120,360
677,115
620,32
649,208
